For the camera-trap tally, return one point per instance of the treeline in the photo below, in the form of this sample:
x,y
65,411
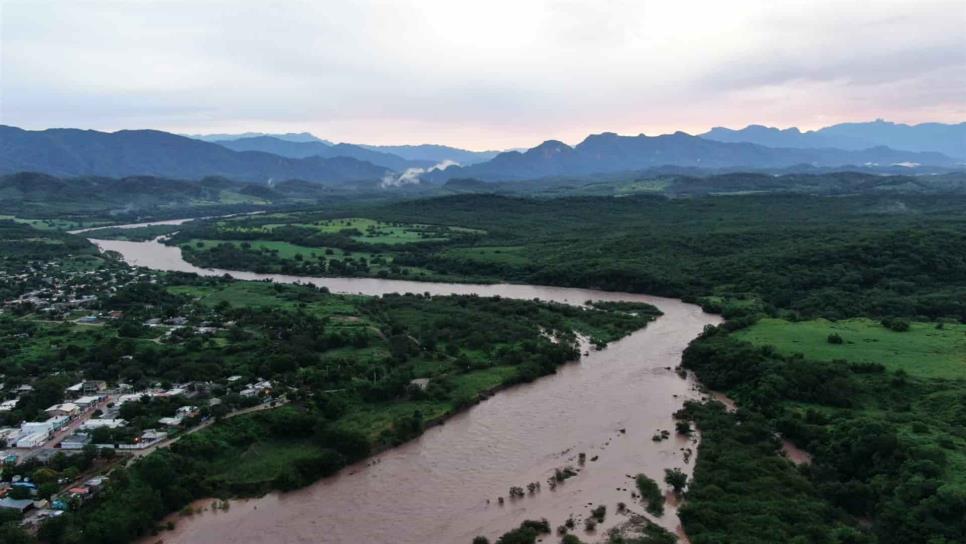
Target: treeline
x,y
834,257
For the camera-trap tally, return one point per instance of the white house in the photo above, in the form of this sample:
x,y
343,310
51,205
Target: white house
x,y
86,402
188,411
91,424
32,440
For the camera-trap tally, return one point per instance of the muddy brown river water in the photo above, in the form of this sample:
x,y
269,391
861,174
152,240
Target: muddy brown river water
x,y
443,486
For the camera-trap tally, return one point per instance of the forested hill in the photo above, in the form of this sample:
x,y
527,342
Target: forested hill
x,y
73,152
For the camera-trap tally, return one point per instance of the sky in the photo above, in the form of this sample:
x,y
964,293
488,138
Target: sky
x,y
488,74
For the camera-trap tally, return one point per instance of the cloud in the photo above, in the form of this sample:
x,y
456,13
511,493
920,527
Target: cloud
x,y
482,75
411,175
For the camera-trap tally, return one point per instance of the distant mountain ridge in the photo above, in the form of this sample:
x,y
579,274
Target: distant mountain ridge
x,y
609,152
949,139
435,153
287,136
127,153
74,152
422,154
301,150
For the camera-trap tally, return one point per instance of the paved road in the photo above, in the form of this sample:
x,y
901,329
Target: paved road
x,y
24,454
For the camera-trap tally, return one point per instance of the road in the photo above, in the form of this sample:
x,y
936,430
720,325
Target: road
x,y
24,454
137,454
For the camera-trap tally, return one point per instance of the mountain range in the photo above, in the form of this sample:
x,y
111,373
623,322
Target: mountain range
x,y
303,144
287,136
609,152
301,150
73,152
949,139
268,158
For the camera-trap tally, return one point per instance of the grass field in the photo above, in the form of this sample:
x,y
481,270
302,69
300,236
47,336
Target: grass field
x,y
262,461
643,186
285,251
282,250
373,419
923,351
365,230
247,294
54,224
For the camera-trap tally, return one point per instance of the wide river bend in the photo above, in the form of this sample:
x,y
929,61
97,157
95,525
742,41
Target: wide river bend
x,y
443,486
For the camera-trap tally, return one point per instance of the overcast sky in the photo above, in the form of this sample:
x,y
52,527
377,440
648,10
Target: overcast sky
x,y
485,74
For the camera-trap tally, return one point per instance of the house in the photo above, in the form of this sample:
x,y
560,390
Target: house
x,y
173,392
8,405
21,505
32,440
170,421
88,320
131,397
75,389
57,423
8,433
81,492
75,441
97,483
419,383
150,436
87,401
187,411
68,409
252,390
93,387
31,427
25,388
92,424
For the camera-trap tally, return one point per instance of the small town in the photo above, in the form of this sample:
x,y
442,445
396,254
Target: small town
x,y
59,460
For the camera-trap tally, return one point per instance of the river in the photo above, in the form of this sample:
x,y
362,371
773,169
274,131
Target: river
x,y
443,486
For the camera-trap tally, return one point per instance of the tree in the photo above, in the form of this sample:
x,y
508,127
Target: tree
x,y
676,479
19,493
44,475
11,534
48,489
